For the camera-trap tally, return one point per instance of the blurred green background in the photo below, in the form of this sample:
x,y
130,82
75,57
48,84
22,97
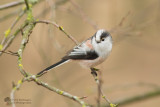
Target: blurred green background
x,y
132,69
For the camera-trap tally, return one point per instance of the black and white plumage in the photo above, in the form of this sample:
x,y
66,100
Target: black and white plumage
x,y
90,52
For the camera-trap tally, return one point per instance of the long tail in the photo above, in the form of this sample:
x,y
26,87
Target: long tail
x,y
53,66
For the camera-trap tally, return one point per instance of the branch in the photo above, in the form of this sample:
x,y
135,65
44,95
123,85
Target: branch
x,y
56,5
84,16
13,91
10,53
45,85
144,96
99,84
9,41
27,5
5,44
24,41
9,15
11,4
120,23
60,92
60,28
17,3
29,25
7,32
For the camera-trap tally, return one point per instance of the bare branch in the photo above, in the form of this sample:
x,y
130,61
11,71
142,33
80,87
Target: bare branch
x,y
29,25
16,87
10,53
11,38
143,96
5,44
9,15
60,92
12,26
12,4
84,16
99,84
60,28
121,22
45,85
56,4
25,38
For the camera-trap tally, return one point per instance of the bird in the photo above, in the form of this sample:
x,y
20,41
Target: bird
x,y
90,53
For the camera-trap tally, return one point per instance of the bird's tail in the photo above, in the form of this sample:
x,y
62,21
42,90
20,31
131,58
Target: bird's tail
x,y
53,66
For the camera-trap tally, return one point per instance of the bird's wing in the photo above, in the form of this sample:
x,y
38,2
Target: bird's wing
x,y
83,51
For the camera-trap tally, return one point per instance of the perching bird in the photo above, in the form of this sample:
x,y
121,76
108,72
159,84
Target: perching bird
x,y
89,53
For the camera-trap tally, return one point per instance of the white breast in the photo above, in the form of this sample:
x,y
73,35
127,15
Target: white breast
x,y
103,50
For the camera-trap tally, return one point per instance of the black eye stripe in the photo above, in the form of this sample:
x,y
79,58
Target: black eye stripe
x,y
104,35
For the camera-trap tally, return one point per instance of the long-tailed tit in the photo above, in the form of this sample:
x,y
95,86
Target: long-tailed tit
x,y
89,53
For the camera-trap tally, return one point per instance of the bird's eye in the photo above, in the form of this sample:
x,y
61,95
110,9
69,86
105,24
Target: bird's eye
x,y
102,39
104,35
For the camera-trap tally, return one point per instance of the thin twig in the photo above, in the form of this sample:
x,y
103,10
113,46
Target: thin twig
x,y
98,80
99,89
120,23
27,29
16,87
9,15
46,85
12,26
11,38
84,16
10,53
58,91
124,18
56,5
24,41
60,28
25,37
11,4
3,46
147,95
26,32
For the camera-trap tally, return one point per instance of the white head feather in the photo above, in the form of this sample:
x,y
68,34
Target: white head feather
x,y
102,46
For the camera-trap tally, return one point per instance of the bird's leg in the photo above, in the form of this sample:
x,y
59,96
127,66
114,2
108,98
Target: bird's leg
x,y
94,71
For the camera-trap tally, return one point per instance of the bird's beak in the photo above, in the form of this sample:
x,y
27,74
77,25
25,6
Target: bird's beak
x,y
98,41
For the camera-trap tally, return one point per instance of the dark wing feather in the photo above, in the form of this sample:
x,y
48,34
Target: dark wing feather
x,y
80,54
